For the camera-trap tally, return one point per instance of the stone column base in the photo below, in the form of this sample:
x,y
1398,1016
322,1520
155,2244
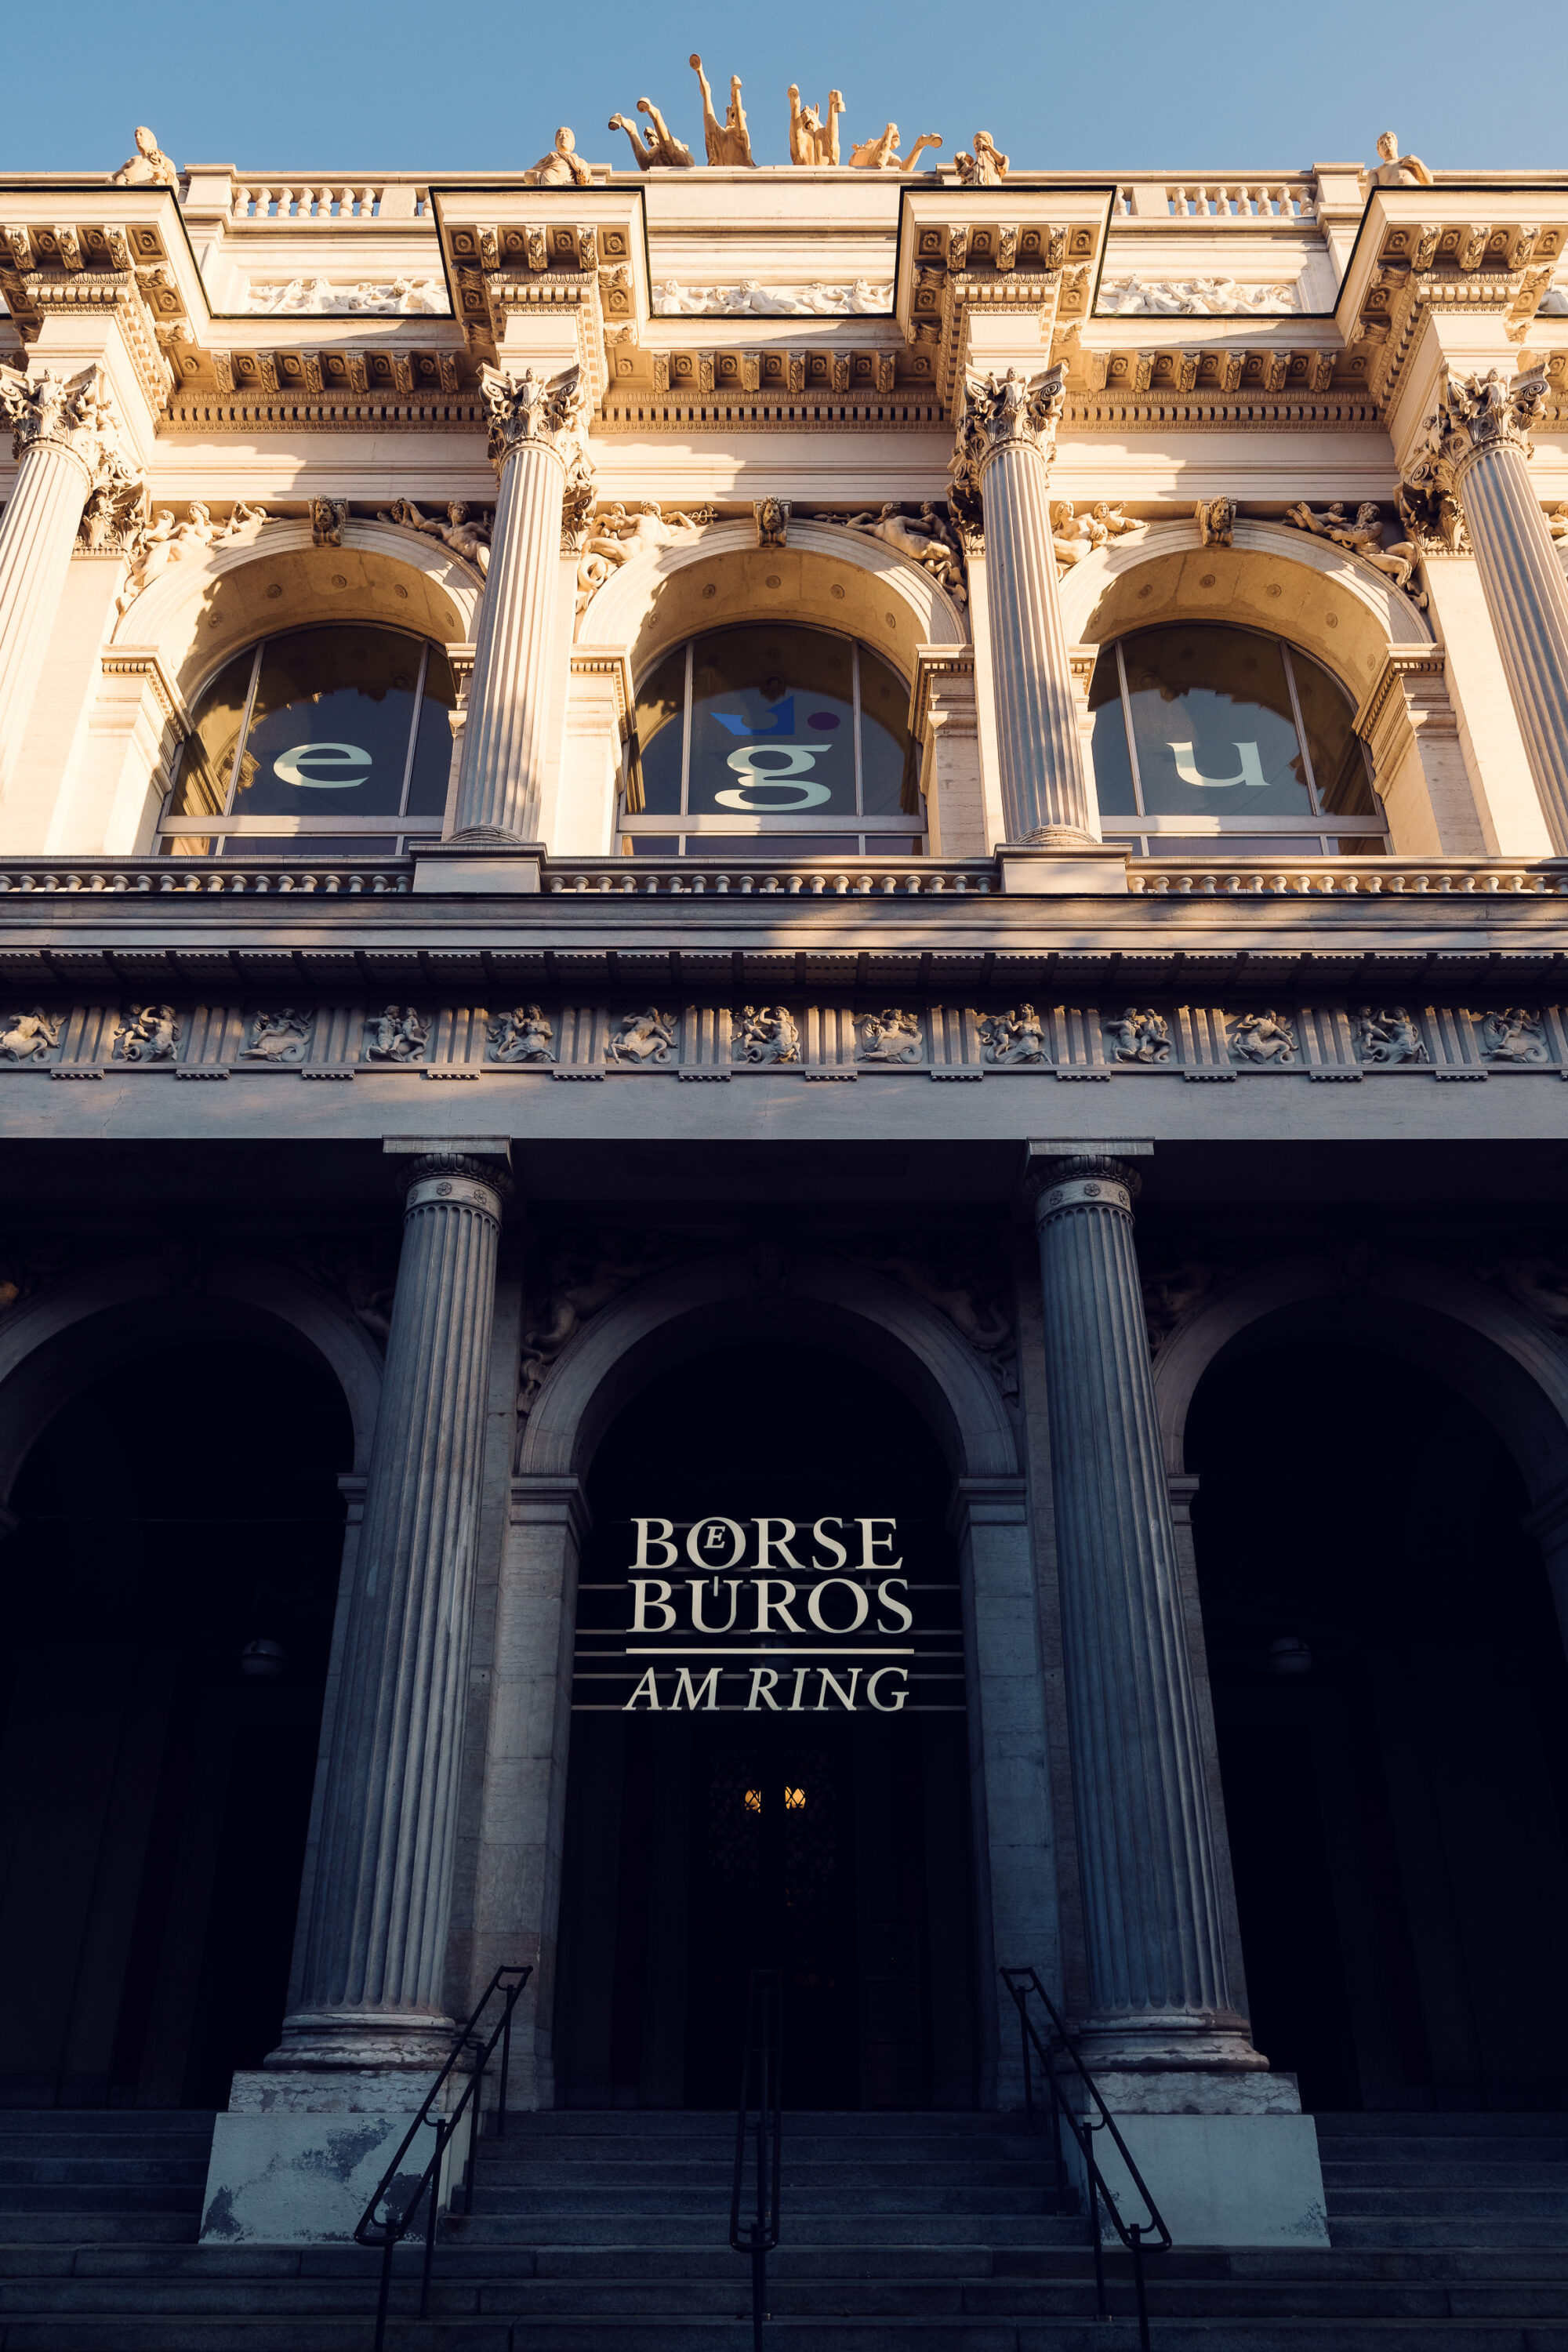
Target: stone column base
x,y
1239,2179
295,2159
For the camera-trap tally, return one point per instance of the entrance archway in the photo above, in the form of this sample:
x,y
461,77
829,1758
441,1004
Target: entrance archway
x,y
171,1583
1390,1700
788,1810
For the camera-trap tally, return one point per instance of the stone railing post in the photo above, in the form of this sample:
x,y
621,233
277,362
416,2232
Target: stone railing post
x,y
1481,459
375,1943
1000,468
65,439
540,464
1158,1995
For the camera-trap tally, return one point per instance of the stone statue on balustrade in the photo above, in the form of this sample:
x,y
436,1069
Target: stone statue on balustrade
x,y
563,167
148,168
729,142
661,148
811,143
1394,170
986,168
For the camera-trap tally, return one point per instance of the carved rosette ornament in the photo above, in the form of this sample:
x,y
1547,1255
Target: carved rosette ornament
x,y
1479,457
1001,483
546,482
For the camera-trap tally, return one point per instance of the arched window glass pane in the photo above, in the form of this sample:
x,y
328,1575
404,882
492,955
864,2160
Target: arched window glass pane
x,y
1213,723
661,709
1339,766
772,724
884,740
329,734
1113,762
208,762
433,749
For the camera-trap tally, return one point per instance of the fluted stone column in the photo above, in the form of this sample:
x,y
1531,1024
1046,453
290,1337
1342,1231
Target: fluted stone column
x,y
64,439
1007,437
377,1940
1158,1994
539,460
1483,449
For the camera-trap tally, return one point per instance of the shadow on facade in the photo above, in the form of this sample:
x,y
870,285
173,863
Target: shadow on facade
x,y
1391,1706
158,1783
833,1842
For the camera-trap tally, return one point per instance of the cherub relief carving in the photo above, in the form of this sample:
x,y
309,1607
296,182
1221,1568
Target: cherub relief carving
x,y
766,1033
563,167
620,533
881,154
1264,1037
586,1271
162,541
280,1037
150,1033
1384,1038
148,168
467,529
522,1035
1363,538
1075,536
1140,1036
931,542
644,1038
398,1035
1016,1036
661,148
986,168
728,142
891,1036
28,1036
809,143
1515,1036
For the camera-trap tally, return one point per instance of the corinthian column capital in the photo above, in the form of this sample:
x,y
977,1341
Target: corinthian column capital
x,y
534,411
1480,413
74,414
1003,412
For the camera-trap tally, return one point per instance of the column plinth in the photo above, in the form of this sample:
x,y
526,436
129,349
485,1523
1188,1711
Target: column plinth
x,y
1000,468
375,1943
538,459
1481,457
1158,1997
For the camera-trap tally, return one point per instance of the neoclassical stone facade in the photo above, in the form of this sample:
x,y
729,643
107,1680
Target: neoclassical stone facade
x,y
620,681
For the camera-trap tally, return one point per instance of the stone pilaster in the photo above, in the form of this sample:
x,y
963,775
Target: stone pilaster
x,y
535,446
1158,1996
1001,467
65,439
376,1945
1482,460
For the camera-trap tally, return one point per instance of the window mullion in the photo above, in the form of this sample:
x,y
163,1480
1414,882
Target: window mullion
x,y
243,731
855,700
1127,723
685,732
413,729
1301,730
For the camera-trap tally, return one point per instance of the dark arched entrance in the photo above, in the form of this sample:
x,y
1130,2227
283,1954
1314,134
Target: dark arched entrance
x,y
158,1782
795,1825
1391,1707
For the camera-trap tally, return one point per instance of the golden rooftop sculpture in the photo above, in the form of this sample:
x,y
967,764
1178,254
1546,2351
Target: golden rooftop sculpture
x,y
660,147
148,168
729,141
1394,170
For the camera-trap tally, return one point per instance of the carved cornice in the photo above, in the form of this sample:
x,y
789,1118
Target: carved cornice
x,y
60,270
1473,267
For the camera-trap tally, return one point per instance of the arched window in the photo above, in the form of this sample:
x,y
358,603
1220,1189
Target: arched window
x,y
318,742
1202,732
771,731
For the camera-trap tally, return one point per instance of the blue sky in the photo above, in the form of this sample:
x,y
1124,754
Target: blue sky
x,y
386,84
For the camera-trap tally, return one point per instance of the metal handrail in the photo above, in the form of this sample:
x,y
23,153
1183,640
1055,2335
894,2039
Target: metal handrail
x,y
388,2230
1136,2236
762,2059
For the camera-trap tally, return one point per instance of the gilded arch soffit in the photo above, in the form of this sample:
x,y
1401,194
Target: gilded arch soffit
x,y
198,613
1320,598
729,1299
827,576
1524,1395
